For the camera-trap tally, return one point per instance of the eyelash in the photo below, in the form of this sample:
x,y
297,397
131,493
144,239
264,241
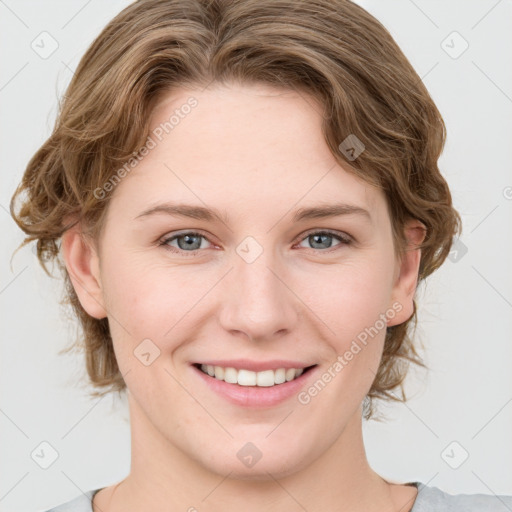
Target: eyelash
x,y
343,238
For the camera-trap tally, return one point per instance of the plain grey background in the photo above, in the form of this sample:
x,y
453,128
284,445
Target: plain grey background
x,y
454,432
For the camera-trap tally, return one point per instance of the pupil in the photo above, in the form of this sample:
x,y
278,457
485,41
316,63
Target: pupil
x,y
189,241
320,237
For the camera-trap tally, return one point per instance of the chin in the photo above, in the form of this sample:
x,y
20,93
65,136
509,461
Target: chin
x,y
245,461
261,471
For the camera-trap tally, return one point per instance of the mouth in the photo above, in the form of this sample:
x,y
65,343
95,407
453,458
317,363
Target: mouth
x,y
247,378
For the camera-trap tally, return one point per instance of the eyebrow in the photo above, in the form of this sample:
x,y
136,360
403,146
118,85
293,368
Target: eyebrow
x,y
211,214
329,210
185,210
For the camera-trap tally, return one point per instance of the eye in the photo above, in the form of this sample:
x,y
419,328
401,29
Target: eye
x,y
189,241
323,239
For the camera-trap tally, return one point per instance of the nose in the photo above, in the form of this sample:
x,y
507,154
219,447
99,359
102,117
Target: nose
x,y
258,303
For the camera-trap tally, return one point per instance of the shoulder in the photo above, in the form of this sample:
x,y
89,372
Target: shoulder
x,y
434,499
82,503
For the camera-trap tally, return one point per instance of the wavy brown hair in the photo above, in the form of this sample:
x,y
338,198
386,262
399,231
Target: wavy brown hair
x,y
333,50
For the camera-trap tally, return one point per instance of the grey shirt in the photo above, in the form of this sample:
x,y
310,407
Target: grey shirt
x,y
429,499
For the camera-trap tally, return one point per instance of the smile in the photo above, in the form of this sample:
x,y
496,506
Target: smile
x,y
244,377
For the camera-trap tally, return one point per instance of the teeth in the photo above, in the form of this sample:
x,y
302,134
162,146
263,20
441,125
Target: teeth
x,y
230,375
266,378
280,376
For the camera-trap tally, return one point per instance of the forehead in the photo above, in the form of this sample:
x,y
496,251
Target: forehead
x,y
242,146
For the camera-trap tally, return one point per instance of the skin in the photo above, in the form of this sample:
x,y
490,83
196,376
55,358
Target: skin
x,y
257,154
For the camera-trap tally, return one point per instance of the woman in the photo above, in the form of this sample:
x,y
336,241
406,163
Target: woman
x,y
245,195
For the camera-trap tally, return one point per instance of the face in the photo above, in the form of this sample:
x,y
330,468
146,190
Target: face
x,y
215,252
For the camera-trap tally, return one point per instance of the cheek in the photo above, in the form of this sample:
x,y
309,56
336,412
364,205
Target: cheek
x,y
351,297
169,304
147,300
354,307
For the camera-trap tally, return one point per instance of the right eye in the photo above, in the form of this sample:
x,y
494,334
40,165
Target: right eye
x,y
189,241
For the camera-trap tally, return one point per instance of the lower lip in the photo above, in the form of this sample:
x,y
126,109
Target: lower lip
x,y
255,396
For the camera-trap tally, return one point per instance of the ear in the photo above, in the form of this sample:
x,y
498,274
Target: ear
x,y
82,263
406,278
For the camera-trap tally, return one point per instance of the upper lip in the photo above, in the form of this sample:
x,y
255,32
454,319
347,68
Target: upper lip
x,y
255,366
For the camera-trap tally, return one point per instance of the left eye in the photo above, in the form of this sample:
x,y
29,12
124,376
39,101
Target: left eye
x,y
191,241
319,238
